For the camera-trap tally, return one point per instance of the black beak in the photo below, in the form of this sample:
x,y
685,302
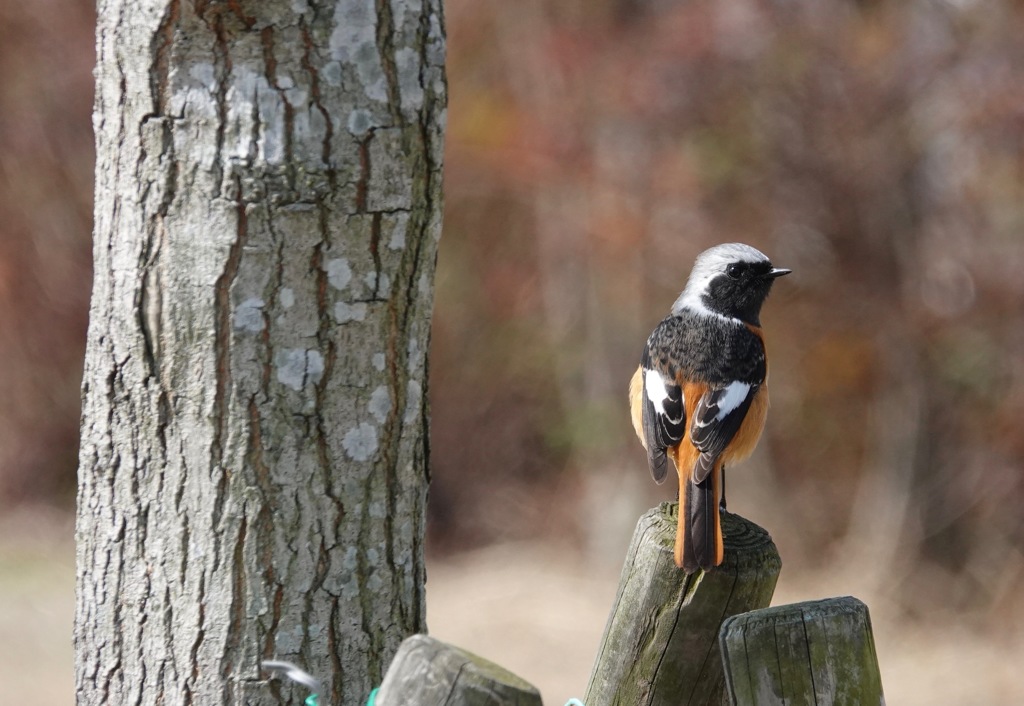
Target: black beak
x,y
776,272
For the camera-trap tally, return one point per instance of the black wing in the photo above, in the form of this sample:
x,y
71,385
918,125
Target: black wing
x,y
733,383
716,420
664,415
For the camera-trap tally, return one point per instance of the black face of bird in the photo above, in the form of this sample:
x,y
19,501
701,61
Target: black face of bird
x,y
741,289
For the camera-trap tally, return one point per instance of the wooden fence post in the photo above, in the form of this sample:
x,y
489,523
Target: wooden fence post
x,y
428,672
818,652
660,646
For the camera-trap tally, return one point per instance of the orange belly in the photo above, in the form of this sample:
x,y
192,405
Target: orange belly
x,y
743,444
636,403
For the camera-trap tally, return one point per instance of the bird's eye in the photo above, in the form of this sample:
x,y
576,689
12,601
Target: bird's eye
x,y
734,270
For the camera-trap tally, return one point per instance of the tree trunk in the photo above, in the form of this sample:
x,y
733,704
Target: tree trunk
x,y
254,440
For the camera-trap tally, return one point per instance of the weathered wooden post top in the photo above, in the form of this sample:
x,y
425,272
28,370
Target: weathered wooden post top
x,y
660,646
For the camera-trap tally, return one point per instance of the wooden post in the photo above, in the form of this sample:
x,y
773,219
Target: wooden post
x,y
660,644
428,672
818,652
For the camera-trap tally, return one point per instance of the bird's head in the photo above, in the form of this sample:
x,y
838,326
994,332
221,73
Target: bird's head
x,y
730,280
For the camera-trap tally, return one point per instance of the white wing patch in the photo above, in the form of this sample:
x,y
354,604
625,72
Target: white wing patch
x,y
735,393
654,385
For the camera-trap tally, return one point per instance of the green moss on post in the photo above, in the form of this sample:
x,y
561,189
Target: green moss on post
x,y
428,672
817,652
660,646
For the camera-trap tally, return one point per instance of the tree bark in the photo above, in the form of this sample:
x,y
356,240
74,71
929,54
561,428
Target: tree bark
x,y
253,467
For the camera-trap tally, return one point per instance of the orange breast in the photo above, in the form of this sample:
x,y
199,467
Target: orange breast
x,y
746,438
742,445
636,402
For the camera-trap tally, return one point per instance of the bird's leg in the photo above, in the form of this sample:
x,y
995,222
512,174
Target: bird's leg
x,y
721,503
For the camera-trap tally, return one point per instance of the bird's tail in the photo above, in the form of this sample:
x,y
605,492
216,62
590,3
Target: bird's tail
x,y
699,533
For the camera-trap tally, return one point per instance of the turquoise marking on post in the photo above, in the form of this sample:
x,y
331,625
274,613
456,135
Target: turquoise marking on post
x,y
373,697
312,700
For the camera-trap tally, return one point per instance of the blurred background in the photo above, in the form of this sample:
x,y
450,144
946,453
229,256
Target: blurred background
x,y
594,148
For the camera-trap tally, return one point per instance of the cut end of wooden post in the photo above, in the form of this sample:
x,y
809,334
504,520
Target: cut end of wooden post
x,y
661,642
819,652
428,671
747,546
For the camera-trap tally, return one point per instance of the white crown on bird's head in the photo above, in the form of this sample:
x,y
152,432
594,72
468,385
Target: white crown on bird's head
x,y
710,264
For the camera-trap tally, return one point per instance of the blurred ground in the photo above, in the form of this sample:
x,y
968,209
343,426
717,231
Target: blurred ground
x,y
37,605
539,611
536,608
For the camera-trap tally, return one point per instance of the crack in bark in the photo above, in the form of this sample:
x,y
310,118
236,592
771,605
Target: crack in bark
x,y
160,48
198,641
183,543
222,348
149,300
270,73
179,492
150,320
392,432
236,8
269,647
326,343
276,284
223,66
386,48
363,183
236,612
375,253
115,668
314,89
264,522
335,648
432,106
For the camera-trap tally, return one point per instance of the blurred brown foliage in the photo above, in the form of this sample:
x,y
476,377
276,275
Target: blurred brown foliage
x,y
46,162
594,148
874,147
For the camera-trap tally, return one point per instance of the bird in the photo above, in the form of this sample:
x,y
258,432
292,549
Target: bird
x,y
700,393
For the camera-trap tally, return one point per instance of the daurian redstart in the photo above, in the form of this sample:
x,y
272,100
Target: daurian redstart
x,y
700,395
